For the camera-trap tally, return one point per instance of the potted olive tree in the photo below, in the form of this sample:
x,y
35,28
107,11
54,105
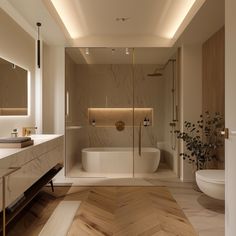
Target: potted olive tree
x,y
202,139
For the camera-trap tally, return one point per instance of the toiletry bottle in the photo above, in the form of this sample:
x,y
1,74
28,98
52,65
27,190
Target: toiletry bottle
x,y
93,122
148,122
145,122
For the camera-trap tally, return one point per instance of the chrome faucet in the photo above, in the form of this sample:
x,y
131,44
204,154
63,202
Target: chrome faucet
x,y
140,140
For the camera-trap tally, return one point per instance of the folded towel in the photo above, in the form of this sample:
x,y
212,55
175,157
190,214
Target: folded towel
x,y
15,140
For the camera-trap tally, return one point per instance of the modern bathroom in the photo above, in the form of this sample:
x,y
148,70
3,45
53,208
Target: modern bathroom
x,y
117,117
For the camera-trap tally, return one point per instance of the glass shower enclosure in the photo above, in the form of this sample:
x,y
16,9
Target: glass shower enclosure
x,y
99,114
117,111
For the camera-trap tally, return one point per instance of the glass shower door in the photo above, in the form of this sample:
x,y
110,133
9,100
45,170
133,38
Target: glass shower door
x,y
155,118
99,91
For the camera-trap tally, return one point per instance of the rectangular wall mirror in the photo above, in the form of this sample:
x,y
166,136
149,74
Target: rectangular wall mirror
x,y
13,89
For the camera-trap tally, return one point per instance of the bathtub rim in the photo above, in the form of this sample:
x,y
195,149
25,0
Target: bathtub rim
x,y
120,149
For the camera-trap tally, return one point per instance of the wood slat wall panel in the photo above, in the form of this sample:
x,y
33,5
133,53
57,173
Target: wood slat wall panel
x,y
213,75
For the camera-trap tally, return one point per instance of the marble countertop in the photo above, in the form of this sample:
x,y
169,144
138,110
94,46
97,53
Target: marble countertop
x,y
38,139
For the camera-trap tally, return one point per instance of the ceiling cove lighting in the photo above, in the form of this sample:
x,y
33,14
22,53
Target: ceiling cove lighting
x,y
181,12
67,12
176,15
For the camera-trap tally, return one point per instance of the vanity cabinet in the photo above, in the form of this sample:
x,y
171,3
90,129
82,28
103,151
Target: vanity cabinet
x,y
34,162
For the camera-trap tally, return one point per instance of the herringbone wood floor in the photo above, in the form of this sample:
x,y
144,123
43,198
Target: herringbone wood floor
x,y
130,211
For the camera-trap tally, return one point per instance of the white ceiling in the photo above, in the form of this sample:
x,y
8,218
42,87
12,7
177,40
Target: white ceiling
x,y
151,22
34,11
161,20
145,17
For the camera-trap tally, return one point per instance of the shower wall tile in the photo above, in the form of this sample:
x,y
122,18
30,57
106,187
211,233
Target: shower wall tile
x,y
111,86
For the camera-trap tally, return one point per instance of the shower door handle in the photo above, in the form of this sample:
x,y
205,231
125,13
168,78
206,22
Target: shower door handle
x,y
140,140
67,103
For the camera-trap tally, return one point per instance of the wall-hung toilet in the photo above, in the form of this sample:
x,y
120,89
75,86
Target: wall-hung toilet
x,y
212,183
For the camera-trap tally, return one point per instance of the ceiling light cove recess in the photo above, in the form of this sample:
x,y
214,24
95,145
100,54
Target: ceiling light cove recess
x,y
176,16
168,24
69,16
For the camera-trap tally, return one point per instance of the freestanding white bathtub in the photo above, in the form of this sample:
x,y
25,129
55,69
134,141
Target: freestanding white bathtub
x,y
120,160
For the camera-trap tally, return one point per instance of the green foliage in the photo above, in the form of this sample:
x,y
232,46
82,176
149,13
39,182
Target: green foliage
x,y
202,139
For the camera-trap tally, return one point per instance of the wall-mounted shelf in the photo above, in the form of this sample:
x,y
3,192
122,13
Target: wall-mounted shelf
x,y
107,117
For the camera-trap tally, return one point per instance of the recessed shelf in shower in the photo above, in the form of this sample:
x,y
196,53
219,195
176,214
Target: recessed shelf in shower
x,y
107,117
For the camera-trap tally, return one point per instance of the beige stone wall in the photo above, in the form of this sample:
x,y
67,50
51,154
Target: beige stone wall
x,y
111,86
13,87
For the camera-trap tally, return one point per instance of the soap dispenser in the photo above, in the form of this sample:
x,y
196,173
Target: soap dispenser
x,y
14,133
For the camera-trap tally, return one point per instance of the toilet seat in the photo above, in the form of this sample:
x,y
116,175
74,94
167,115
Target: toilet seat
x,y
211,176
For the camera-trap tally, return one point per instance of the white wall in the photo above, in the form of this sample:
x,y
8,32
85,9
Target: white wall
x,y
230,116
190,96
53,89
18,47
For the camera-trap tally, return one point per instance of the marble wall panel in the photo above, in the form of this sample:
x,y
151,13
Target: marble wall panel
x,y
111,86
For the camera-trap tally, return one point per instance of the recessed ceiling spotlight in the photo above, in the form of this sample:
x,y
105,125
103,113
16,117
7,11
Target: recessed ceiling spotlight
x,y
122,19
87,51
127,51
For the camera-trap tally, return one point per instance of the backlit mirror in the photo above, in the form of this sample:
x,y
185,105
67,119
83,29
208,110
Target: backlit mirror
x,y
13,89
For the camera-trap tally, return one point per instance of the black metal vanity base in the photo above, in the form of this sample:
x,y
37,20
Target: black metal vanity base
x,y
30,193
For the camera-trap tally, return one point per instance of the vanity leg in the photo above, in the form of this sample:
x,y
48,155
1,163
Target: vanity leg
x,y
3,206
51,183
4,220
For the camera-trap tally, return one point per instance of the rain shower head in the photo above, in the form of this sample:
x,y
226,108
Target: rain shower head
x,y
154,74
157,72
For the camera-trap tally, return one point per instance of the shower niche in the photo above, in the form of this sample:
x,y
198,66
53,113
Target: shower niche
x,y
108,117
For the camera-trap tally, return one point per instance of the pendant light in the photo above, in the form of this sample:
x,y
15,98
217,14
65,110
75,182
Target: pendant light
x,y
38,45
